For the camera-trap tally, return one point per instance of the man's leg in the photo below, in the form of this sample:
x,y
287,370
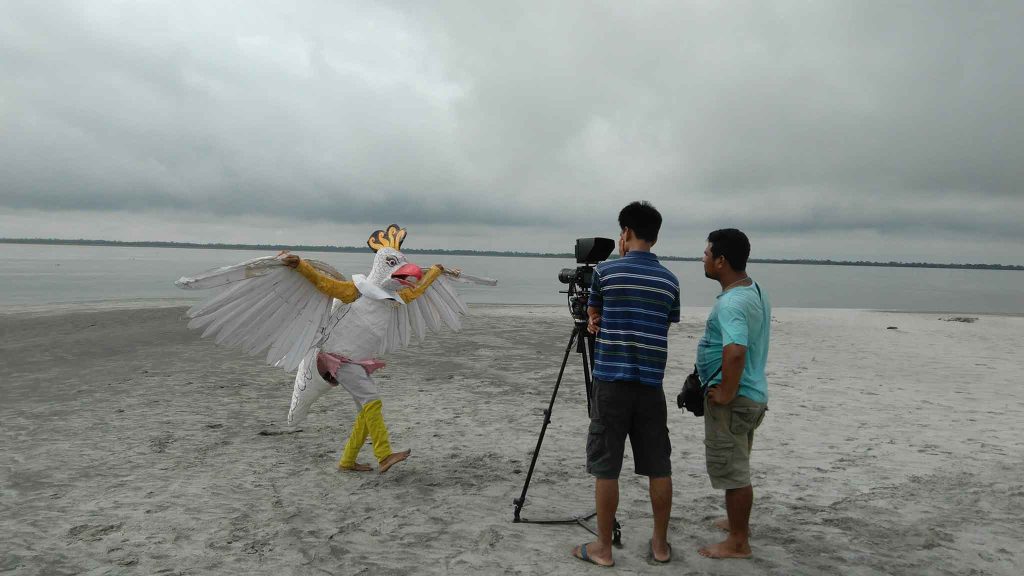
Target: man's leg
x,y
661,504
364,391
606,497
355,442
652,451
606,440
729,438
386,458
738,502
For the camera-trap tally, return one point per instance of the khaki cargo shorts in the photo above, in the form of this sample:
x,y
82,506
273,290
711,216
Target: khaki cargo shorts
x,y
728,438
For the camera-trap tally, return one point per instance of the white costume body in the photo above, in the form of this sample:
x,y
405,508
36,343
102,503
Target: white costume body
x,y
358,336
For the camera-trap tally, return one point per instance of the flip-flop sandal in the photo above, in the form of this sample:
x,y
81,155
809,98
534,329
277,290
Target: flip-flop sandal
x,y
652,559
586,558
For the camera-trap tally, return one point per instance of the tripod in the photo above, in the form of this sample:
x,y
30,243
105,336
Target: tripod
x,y
584,342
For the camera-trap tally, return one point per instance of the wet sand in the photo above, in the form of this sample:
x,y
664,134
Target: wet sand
x,y
128,445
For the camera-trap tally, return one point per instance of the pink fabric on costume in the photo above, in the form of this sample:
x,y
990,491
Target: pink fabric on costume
x,y
327,364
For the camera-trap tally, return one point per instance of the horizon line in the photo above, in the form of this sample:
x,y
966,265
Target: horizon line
x,y
466,252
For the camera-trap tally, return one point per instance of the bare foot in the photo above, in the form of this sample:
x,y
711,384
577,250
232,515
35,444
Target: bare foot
x,y
726,549
357,467
722,523
665,553
392,459
593,552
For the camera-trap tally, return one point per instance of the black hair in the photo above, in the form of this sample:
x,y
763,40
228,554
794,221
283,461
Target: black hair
x,y
732,244
643,219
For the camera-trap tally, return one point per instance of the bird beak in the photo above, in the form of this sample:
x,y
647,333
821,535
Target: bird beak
x,y
406,272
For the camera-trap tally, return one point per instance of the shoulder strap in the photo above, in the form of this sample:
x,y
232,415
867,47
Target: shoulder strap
x,y
712,377
768,317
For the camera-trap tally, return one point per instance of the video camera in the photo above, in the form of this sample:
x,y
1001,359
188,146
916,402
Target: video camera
x,y
589,252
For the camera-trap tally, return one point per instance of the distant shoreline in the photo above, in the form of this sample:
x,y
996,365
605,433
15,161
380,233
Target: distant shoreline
x,y
270,247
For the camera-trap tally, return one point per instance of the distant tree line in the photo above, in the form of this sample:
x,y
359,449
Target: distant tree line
x,y
461,252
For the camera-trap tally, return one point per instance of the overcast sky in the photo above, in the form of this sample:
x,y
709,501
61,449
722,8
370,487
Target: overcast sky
x,y
860,130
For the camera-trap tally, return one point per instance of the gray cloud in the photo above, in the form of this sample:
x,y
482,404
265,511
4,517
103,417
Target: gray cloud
x,y
785,119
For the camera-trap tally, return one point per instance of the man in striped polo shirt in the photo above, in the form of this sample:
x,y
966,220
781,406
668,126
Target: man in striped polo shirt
x,y
633,300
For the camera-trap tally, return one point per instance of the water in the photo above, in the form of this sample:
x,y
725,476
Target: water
x,y
58,276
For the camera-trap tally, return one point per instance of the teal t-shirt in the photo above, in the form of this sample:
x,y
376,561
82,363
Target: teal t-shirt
x,y
741,316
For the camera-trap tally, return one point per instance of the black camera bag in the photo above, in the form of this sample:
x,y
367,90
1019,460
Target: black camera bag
x,y
691,398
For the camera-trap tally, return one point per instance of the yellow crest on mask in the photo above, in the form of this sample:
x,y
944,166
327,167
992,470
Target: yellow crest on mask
x,y
391,238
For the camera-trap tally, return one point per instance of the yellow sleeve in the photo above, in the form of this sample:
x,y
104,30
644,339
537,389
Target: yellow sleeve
x,y
343,290
410,294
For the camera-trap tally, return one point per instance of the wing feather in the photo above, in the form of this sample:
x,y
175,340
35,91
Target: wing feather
x,y
253,303
429,310
263,304
274,324
310,320
403,325
439,306
228,294
299,337
416,321
205,313
230,335
230,274
451,300
286,338
223,316
270,305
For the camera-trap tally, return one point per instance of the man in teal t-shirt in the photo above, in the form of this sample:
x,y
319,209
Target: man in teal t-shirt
x,y
741,315
731,360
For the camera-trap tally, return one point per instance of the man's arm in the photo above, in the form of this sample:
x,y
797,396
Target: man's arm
x,y
595,303
733,358
733,321
410,294
673,314
343,290
593,320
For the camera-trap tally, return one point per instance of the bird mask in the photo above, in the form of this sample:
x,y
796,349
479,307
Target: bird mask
x,y
391,270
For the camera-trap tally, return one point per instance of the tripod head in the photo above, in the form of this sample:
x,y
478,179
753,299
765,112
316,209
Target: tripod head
x,y
578,293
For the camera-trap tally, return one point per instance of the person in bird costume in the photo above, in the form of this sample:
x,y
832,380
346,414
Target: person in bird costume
x,y
392,273
330,329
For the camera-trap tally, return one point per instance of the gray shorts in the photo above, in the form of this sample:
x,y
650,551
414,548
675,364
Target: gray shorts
x,y
728,439
621,409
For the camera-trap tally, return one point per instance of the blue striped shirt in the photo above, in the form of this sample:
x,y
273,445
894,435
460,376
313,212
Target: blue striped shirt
x,y
638,299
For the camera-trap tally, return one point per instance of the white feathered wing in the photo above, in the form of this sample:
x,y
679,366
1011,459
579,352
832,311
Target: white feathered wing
x,y
264,305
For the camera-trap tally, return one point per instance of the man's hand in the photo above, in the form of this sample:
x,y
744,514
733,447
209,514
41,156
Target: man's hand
x,y
454,272
593,320
733,358
718,396
290,260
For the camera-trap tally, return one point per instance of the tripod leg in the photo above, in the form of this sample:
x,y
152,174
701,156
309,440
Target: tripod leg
x,y
587,350
521,501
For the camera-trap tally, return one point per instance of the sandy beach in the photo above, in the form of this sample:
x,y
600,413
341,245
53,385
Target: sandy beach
x,y
128,445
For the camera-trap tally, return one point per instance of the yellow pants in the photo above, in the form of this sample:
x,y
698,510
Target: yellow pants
x,y
369,421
